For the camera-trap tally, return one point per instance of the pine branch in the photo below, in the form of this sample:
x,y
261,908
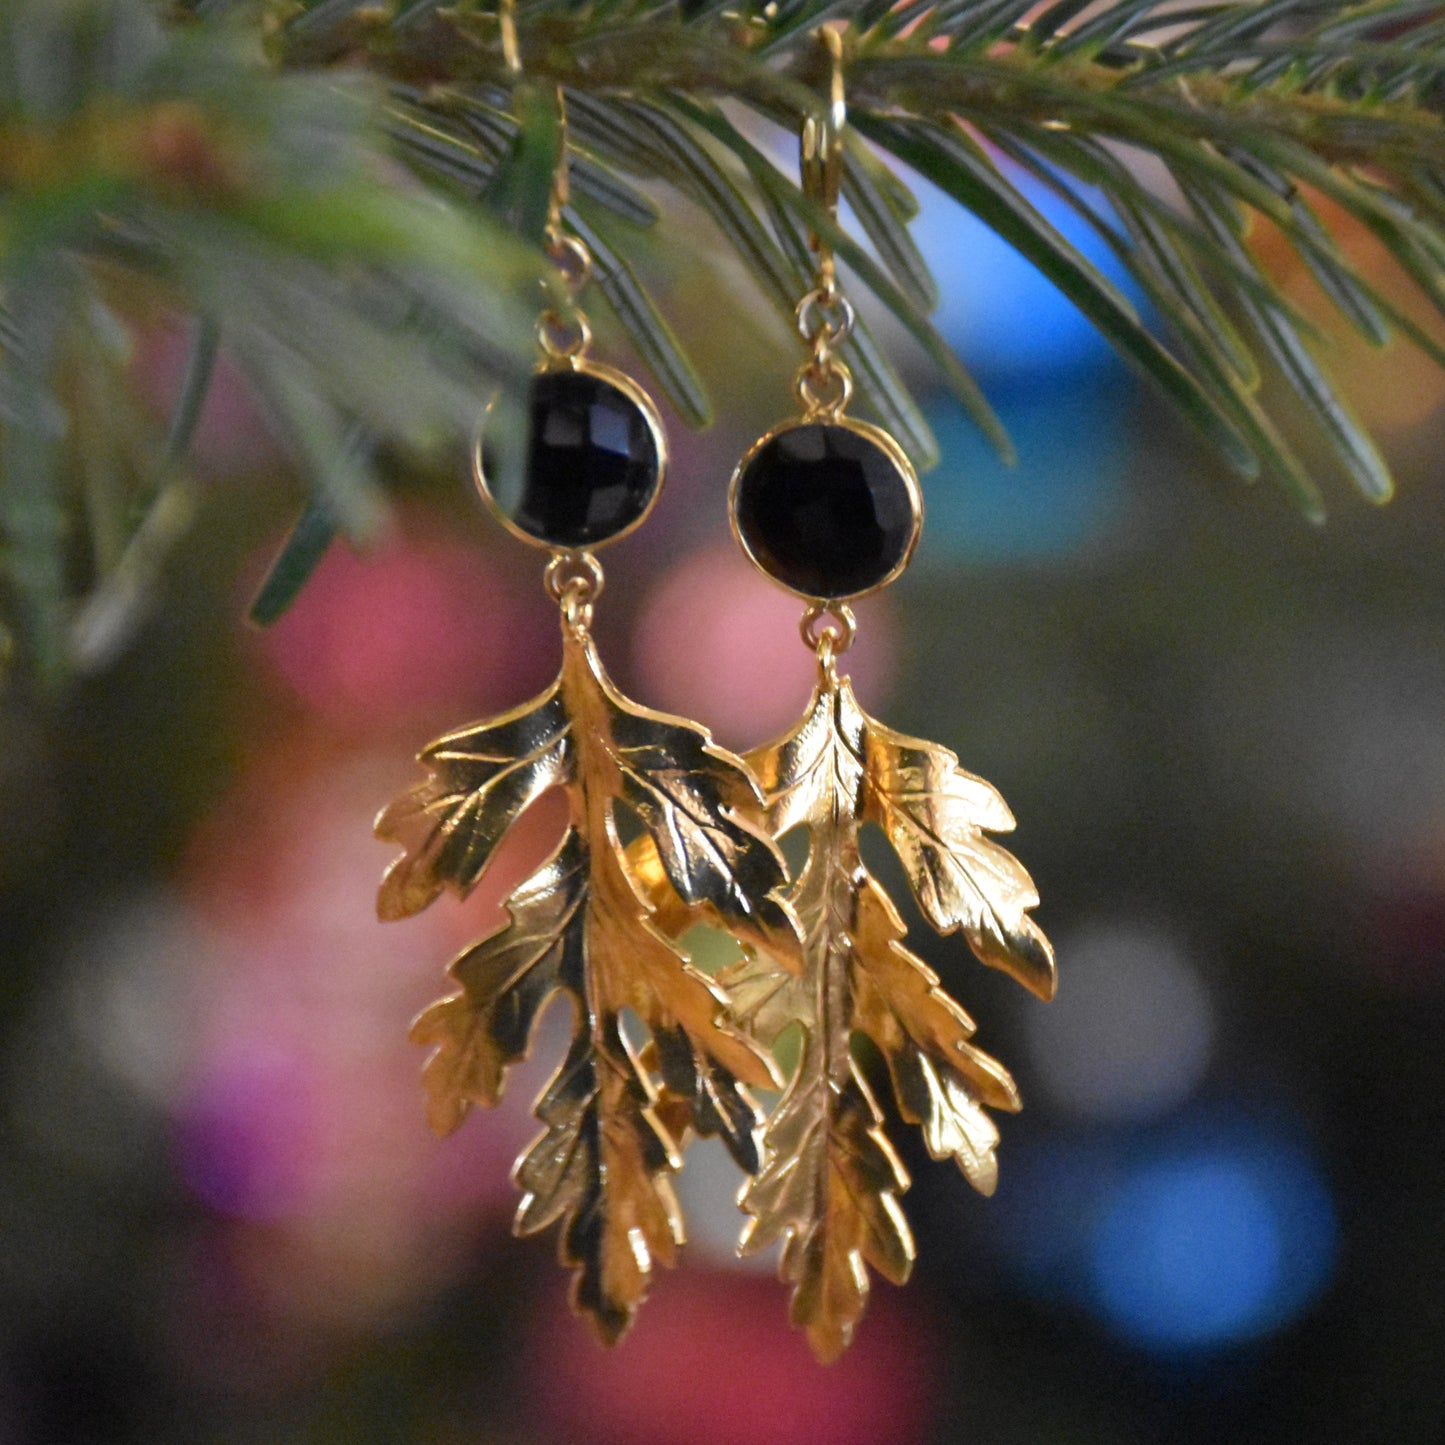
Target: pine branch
x,y
337,189
151,174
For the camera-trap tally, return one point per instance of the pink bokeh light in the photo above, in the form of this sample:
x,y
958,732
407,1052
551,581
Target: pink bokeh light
x,y
421,629
231,436
712,1360
300,1119
718,642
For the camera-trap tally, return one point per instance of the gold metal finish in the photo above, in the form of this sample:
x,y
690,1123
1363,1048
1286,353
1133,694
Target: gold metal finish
x,y
813,385
833,415
563,338
597,922
573,577
830,1185
812,319
820,167
823,385
840,629
821,160
617,1115
569,254
578,361
507,23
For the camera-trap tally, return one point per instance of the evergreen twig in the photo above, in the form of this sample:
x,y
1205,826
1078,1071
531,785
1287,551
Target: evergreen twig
x,y
336,186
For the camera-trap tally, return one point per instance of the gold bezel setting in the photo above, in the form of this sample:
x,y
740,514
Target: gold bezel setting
x,y
885,443
634,393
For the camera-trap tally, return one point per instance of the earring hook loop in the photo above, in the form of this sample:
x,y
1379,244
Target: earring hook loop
x,y
507,23
561,182
825,318
568,253
822,136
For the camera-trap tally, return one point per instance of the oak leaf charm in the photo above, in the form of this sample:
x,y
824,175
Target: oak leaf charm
x,y
587,926
830,1184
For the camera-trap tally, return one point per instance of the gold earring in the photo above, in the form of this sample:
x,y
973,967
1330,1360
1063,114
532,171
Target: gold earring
x,y
662,825
829,507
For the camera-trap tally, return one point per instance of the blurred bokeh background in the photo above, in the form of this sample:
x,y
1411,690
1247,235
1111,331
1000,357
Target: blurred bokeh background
x,y
1221,1216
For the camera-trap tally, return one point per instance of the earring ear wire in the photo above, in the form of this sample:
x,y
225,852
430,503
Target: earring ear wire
x,y
507,25
821,138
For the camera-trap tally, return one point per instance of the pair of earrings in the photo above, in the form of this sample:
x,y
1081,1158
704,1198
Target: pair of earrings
x,y
667,831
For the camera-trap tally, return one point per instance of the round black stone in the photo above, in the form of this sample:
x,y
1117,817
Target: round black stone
x,y
825,510
592,466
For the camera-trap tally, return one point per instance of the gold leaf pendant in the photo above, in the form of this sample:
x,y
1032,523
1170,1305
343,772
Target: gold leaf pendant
x,y
664,831
616,1112
829,508
831,1181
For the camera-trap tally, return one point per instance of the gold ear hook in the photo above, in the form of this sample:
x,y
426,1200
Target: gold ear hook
x,y
571,256
824,316
561,178
507,22
822,138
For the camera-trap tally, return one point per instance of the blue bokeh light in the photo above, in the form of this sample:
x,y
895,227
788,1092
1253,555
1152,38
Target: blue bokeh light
x,y
1069,490
1188,1253
1207,1234
998,311
1061,393
1212,1246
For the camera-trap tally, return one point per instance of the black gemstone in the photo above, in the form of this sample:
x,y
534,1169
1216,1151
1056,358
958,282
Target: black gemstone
x,y
592,466
825,510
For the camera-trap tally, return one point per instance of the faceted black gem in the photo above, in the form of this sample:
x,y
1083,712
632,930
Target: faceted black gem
x,y
825,510
592,466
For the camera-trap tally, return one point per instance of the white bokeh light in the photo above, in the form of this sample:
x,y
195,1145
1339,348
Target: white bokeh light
x,y
1131,1032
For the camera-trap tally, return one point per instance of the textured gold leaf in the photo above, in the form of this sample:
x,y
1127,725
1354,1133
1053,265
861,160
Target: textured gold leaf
x,y
483,777
698,1094
956,1127
935,816
634,964
763,998
506,981
705,1096
602,1167
698,804
590,924
830,1187
830,1182
899,1001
